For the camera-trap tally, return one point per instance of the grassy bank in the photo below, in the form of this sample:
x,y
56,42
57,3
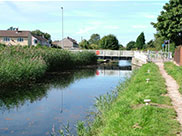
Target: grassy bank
x,y
175,72
20,65
125,114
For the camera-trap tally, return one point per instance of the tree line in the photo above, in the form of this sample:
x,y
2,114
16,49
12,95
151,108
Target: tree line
x,y
111,42
168,26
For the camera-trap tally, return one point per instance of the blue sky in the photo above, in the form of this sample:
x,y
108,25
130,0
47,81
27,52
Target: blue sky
x,y
126,19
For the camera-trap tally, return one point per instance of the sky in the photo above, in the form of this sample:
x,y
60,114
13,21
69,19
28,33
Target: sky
x,y
125,19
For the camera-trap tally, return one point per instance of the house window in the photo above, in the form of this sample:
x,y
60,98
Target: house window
x,y
20,39
35,41
6,39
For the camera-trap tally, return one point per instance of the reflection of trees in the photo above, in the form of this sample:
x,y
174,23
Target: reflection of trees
x,y
11,98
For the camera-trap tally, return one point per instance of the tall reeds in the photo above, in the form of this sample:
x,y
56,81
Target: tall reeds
x,y
25,64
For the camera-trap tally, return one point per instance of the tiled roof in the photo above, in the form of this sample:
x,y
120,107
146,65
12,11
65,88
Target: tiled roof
x,y
40,38
9,33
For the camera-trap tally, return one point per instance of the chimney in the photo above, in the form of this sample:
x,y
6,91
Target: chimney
x,y
16,30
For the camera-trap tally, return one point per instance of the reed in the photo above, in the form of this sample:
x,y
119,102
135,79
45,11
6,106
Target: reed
x,y
21,65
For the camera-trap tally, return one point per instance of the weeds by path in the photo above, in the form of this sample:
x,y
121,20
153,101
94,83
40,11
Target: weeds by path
x,y
175,72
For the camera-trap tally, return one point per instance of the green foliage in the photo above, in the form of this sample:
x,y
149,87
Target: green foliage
x,y
121,47
140,41
40,33
169,22
12,28
93,46
158,42
150,44
131,45
84,44
175,72
124,112
109,42
19,65
94,39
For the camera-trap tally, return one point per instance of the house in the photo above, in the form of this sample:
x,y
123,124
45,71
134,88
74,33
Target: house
x,y
16,37
66,43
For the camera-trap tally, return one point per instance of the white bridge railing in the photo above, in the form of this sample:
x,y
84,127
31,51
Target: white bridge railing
x,y
139,55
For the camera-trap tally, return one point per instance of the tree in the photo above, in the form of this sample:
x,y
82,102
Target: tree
x,y
150,44
94,39
40,33
121,47
12,28
169,22
140,42
131,45
84,44
109,42
93,46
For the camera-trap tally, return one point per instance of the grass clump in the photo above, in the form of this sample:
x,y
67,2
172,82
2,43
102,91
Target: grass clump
x,y
21,65
175,72
125,114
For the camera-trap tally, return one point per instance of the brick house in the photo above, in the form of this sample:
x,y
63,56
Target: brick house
x,y
66,43
23,38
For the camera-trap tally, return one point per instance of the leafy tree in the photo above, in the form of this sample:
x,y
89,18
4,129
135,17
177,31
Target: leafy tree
x,y
159,40
12,28
84,44
109,42
121,47
40,33
94,39
131,45
150,44
140,42
93,46
169,22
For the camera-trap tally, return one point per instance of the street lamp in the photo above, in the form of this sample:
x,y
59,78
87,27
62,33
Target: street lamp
x,y
62,28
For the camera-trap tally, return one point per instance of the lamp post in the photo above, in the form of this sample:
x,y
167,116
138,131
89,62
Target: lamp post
x,y
62,28
61,110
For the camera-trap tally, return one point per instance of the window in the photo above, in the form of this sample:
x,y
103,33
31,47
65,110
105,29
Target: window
x,y
35,41
20,39
6,39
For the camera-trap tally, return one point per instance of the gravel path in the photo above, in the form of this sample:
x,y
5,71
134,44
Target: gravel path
x,y
173,92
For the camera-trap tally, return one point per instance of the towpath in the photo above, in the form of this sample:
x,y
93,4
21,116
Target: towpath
x,y
173,91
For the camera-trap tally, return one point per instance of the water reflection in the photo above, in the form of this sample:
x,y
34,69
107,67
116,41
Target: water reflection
x,y
15,98
60,98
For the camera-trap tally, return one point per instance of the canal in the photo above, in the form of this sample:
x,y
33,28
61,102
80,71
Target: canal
x,y
66,97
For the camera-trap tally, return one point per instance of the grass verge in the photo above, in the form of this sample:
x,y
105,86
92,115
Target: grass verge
x,y
125,114
175,72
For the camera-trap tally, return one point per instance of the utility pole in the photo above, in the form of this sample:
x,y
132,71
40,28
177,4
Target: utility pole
x,y
62,28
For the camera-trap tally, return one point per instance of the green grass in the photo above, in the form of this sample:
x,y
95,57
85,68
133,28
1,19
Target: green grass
x,y
124,113
21,65
175,72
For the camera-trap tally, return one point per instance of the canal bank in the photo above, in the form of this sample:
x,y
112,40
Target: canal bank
x,y
65,97
125,113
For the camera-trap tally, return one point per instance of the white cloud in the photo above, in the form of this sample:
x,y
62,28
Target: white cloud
x,y
139,26
86,30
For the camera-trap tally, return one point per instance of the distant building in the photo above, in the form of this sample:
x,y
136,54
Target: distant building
x,y
23,38
66,43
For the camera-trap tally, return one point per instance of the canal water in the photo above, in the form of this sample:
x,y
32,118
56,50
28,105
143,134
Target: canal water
x,y
63,98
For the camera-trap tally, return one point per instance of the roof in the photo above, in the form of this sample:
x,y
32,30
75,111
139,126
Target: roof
x,y
10,33
72,40
68,38
40,38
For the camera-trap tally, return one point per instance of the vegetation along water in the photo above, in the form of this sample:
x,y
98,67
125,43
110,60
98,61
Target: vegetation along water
x,y
124,113
58,99
21,65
